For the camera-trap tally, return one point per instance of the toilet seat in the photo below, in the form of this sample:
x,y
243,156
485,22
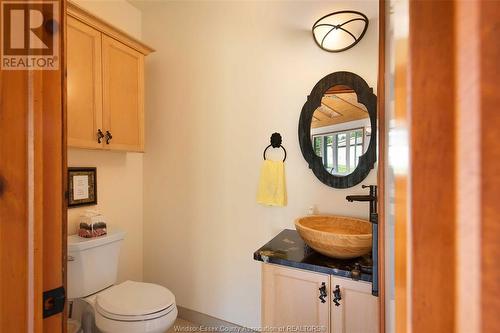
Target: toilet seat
x,y
130,301
132,307
145,317
157,325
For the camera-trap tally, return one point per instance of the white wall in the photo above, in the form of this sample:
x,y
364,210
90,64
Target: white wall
x,y
119,13
119,174
119,196
225,76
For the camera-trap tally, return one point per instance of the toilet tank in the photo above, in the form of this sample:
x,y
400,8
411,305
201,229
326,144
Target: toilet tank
x,y
92,263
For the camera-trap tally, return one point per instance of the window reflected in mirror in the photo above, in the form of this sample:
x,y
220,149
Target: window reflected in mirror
x,y
340,130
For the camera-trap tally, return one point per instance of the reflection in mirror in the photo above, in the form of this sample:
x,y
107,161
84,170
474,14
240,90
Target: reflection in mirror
x,y
340,130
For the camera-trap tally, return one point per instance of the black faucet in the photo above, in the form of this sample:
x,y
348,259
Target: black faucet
x,y
372,198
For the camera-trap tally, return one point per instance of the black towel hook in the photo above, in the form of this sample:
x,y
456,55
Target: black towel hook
x,y
275,143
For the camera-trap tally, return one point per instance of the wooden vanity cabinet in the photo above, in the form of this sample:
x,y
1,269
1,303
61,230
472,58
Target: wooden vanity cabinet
x,y
358,309
105,84
291,298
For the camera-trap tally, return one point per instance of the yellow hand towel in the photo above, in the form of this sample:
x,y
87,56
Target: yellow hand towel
x,y
272,185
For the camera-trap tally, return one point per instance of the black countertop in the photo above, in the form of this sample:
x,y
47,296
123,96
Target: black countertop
x,y
288,249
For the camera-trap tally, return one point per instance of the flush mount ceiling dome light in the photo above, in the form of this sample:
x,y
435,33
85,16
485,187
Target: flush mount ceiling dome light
x,y
339,31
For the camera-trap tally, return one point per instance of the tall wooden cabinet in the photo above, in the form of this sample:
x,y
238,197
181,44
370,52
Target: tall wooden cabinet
x,y
305,301
105,88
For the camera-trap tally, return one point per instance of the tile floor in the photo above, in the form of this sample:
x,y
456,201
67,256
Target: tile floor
x,y
180,325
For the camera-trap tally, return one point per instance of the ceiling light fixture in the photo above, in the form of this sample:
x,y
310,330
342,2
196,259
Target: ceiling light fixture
x,y
339,31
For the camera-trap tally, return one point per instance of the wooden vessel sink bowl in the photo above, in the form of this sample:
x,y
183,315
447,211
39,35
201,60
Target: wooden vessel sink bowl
x,y
336,236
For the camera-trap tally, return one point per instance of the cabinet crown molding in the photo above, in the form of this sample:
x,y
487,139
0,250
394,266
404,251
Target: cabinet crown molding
x,y
97,23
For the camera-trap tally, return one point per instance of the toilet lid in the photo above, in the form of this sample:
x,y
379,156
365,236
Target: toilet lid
x,y
135,299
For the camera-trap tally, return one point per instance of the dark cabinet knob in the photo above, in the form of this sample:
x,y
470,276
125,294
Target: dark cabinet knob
x,y
322,293
336,295
108,137
100,135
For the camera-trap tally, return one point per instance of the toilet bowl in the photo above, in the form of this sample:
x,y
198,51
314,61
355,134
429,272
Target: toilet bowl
x,y
132,307
128,307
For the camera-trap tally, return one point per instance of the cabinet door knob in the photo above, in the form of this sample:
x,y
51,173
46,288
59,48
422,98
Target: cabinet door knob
x,y
99,135
108,137
322,293
336,295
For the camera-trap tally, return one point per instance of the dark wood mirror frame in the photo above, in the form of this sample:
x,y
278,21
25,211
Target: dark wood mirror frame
x,y
367,98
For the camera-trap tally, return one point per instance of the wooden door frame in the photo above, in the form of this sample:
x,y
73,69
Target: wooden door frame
x,y
32,187
381,164
446,207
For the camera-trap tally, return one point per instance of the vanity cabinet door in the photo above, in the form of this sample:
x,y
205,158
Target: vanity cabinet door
x,y
84,89
291,298
357,311
123,94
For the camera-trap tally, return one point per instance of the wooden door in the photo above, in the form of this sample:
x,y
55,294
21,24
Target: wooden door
x,y
447,275
32,211
123,95
290,297
84,85
358,310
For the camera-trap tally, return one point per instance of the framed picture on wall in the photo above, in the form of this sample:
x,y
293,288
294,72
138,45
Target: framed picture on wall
x,y
82,186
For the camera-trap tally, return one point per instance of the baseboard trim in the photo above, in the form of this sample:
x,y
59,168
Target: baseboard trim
x,y
205,320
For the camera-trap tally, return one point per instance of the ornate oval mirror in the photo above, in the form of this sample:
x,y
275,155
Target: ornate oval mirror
x,y
338,129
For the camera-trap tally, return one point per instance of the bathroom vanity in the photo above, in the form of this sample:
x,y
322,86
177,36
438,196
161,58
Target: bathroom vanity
x,y
313,292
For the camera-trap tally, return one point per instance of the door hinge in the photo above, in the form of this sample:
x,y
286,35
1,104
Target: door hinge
x,y
53,301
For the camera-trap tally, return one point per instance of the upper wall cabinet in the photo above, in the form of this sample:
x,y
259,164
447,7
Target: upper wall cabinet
x,y
123,94
105,84
84,86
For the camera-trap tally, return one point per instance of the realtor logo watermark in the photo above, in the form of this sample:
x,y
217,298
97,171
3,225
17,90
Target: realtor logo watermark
x,y
30,35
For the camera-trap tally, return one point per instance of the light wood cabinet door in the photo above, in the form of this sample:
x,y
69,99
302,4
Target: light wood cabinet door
x,y
358,309
123,95
290,297
84,90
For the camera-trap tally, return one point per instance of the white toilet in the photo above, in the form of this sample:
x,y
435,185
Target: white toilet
x,y
128,307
